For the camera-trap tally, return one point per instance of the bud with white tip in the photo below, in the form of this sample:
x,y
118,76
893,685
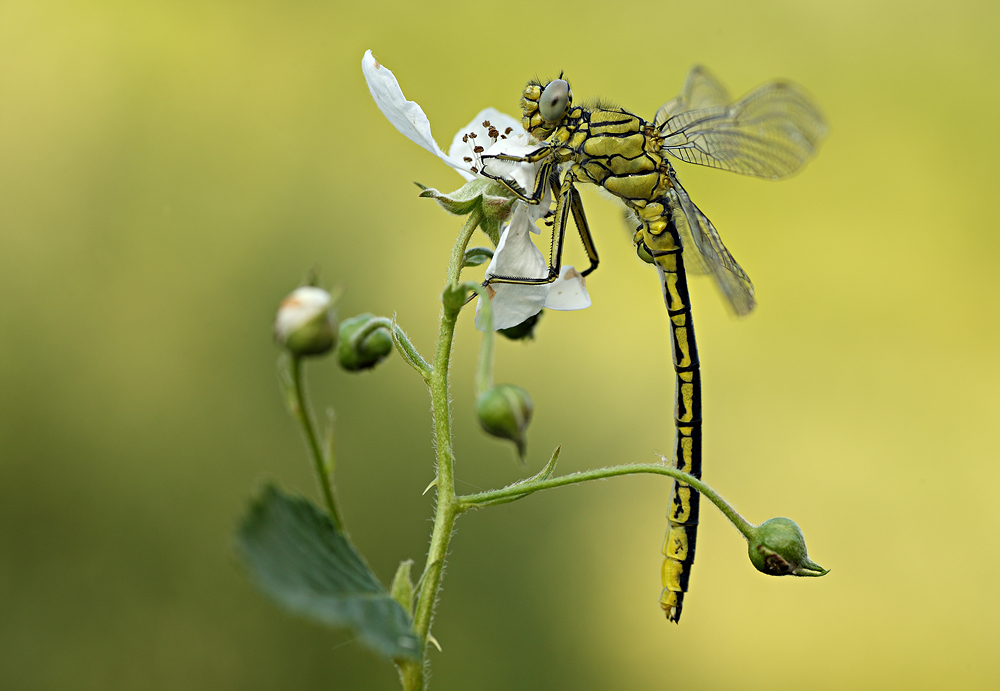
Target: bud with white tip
x,y
305,324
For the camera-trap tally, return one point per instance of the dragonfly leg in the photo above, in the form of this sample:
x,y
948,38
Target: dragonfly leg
x,y
544,172
580,218
564,193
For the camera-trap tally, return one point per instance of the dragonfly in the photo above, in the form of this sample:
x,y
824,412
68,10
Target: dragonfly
x,y
770,133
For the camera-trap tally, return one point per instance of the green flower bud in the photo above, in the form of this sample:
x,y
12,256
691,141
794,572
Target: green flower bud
x,y
779,549
522,331
454,298
365,351
504,411
306,322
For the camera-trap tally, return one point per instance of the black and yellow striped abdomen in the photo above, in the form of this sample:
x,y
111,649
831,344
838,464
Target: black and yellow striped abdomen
x,y
660,238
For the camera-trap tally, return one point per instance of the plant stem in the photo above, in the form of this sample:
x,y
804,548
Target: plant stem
x,y
448,509
303,414
399,338
517,491
484,369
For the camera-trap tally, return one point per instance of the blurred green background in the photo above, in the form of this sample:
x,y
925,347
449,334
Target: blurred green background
x,y
169,170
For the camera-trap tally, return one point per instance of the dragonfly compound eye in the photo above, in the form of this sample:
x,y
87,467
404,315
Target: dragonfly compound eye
x,y
555,100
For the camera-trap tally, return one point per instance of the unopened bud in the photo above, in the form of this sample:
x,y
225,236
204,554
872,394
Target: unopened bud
x,y
779,549
364,353
305,324
504,411
454,297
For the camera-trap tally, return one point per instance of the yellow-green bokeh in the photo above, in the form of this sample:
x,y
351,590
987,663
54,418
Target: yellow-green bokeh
x,y
169,170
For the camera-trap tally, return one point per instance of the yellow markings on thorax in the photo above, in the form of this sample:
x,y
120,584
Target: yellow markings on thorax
x,y
633,186
600,146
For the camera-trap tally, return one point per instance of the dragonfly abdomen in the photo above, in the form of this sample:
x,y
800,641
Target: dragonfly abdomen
x,y
662,241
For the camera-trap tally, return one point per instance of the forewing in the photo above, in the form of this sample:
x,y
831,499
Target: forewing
x,y
701,90
769,133
712,257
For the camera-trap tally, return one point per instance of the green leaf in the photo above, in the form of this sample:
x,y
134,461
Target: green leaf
x,y
492,199
474,256
298,557
402,586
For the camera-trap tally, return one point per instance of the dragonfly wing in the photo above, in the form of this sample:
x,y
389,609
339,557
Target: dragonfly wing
x,y
701,90
712,256
769,133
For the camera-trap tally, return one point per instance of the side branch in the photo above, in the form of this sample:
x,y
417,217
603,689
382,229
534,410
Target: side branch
x,y
526,487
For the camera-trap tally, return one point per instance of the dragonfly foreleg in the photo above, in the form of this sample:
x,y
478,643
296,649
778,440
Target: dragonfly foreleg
x,y
541,178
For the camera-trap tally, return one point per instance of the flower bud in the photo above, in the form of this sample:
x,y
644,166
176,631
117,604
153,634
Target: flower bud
x,y
523,331
454,298
504,411
367,351
305,324
779,549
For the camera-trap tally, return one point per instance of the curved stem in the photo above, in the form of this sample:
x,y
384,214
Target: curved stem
x,y
300,409
519,490
399,338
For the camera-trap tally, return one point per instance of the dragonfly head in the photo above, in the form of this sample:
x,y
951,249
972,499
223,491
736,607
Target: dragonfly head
x,y
544,107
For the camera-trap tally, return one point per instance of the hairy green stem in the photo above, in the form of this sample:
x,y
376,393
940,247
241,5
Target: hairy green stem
x,y
447,510
519,490
321,464
484,370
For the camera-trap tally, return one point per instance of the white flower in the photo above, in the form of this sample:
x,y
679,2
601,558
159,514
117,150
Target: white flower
x,y
489,133
516,255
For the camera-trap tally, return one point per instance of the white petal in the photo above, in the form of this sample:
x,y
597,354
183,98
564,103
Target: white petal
x,y
406,116
521,173
460,150
569,291
516,255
